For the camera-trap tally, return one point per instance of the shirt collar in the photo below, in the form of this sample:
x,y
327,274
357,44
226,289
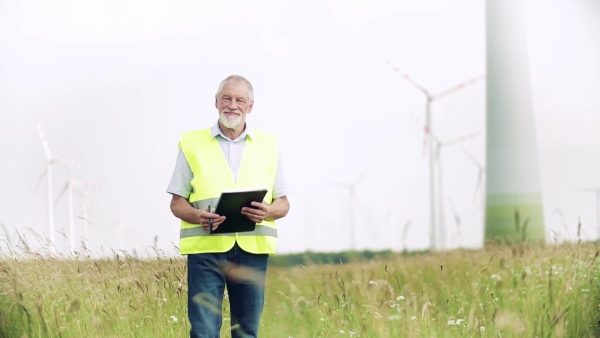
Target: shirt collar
x,y
215,131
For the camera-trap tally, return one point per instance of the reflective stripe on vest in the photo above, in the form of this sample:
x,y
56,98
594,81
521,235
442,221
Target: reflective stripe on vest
x,y
213,175
260,230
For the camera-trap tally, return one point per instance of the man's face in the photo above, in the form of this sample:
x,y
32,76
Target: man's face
x,y
233,104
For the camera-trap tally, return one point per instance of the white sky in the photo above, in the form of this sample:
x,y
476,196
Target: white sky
x,y
114,83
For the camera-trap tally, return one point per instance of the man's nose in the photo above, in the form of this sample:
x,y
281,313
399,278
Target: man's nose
x,y
233,104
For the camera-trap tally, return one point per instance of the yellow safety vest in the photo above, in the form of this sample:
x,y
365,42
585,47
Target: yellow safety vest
x,y
212,175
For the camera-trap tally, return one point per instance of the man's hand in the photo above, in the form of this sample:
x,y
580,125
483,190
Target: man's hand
x,y
262,211
257,213
205,217
182,209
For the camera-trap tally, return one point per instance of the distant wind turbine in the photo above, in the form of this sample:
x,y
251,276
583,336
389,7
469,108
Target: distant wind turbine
x,y
434,227
49,161
457,221
68,188
481,171
438,146
394,217
85,217
351,187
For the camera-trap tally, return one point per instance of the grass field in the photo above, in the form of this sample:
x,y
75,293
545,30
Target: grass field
x,y
500,291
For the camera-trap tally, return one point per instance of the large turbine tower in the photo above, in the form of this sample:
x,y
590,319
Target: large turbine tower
x,y
513,190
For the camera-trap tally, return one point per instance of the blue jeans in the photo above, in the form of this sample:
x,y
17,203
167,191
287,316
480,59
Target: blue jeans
x,y
244,275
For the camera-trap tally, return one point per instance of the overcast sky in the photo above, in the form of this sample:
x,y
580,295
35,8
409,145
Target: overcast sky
x,y
113,84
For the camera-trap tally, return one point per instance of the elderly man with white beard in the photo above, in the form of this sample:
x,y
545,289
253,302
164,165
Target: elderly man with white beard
x,y
228,155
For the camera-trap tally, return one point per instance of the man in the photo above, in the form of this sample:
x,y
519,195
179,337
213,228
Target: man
x,y
227,156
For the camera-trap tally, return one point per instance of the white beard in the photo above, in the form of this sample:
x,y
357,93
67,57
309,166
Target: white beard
x,y
230,122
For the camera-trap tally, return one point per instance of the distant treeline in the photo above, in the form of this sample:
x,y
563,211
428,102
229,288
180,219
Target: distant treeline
x,y
344,257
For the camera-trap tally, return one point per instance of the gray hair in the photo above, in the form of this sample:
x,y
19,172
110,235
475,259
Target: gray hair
x,y
237,78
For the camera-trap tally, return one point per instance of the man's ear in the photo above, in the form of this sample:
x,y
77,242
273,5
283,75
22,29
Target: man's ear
x,y
250,108
216,103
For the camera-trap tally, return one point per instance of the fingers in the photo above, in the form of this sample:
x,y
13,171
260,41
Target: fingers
x,y
215,223
205,216
261,206
255,215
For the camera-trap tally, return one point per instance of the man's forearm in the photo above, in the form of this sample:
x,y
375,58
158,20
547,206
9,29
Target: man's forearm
x,y
183,210
279,208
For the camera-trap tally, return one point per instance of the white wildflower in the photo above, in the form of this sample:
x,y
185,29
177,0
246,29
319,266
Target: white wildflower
x,y
174,319
585,290
164,299
394,317
482,328
342,331
459,321
352,333
400,298
496,277
413,318
372,283
451,322
322,319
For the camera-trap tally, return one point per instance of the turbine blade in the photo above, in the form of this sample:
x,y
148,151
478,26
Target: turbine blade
x,y
47,152
461,138
411,81
425,132
478,185
472,158
62,192
460,86
39,181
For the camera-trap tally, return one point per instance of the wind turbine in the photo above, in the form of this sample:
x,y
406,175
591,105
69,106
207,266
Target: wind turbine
x,y
458,222
49,161
438,146
429,98
351,187
394,217
68,188
478,192
596,191
85,217
481,171
513,183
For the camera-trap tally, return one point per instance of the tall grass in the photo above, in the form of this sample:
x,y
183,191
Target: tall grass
x,y
500,291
